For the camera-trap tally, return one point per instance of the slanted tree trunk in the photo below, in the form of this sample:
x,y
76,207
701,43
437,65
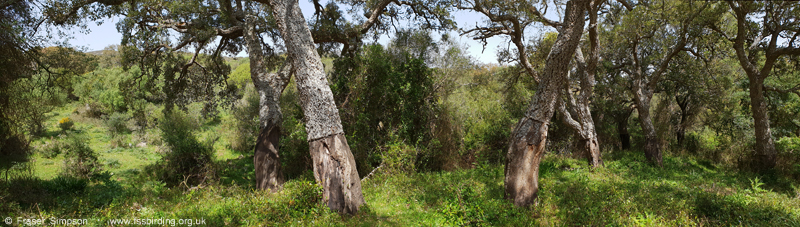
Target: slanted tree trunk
x,y
334,165
584,124
529,136
269,175
584,127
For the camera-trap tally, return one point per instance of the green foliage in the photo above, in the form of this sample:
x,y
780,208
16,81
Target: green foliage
x,y
188,161
293,145
241,76
704,142
107,87
789,145
399,158
52,148
80,161
117,124
488,109
67,185
465,209
244,121
306,197
383,93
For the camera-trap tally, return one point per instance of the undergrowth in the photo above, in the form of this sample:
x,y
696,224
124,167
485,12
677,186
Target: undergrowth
x,y
628,192
689,190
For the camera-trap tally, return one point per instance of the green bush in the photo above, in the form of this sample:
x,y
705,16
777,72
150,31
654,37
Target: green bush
x,y
398,157
306,197
79,160
244,122
788,145
382,92
93,109
108,88
295,158
704,142
66,185
117,124
240,76
51,148
488,110
188,161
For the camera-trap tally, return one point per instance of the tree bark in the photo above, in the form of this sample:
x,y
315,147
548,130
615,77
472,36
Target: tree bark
x,y
652,149
680,134
765,153
766,156
266,158
584,124
334,165
622,129
529,136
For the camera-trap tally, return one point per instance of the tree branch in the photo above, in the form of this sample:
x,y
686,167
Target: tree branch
x,y
795,89
77,5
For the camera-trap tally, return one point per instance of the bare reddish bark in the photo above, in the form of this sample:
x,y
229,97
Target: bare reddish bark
x,y
266,158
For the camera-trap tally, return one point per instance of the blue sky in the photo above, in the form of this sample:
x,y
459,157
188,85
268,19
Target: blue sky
x,y
106,34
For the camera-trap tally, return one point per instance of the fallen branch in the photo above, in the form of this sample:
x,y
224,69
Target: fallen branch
x,y
370,173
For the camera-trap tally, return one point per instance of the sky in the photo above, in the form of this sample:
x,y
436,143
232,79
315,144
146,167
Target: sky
x,y
106,34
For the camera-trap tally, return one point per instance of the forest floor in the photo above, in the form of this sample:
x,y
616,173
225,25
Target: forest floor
x,y
687,191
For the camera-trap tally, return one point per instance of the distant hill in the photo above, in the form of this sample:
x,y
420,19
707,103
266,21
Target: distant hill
x,y
96,52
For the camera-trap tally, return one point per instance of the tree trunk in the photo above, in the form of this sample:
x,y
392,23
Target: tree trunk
x,y
584,128
652,149
765,153
334,165
269,175
680,134
529,136
584,124
622,130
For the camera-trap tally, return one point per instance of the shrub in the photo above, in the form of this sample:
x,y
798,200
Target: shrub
x,y
65,123
244,123
788,145
704,142
240,76
79,160
65,185
379,92
399,157
52,148
93,109
187,161
117,124
306,197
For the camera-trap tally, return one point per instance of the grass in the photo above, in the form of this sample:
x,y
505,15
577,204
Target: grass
x,y
627,192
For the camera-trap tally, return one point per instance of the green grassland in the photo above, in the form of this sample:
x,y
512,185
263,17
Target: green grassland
x,y
625,192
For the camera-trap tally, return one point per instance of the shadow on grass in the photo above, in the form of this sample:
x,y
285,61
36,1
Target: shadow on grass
x,y
238,171
60,195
